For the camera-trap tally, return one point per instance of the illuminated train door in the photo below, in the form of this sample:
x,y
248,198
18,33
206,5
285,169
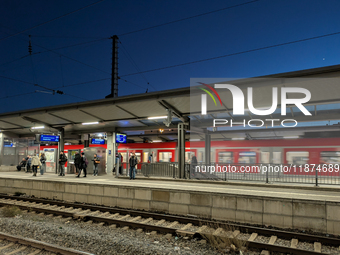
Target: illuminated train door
x,y
125,158
189,153
166,155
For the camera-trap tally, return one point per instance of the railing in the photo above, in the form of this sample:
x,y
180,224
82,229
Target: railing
x,y
269,173
266,173
159,169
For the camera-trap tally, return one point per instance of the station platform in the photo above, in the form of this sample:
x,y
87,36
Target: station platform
x,y
293,206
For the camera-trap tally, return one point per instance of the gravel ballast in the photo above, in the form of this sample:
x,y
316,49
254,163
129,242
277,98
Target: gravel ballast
x,y
98,239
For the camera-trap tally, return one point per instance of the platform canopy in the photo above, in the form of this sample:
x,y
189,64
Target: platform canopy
x,y
131,114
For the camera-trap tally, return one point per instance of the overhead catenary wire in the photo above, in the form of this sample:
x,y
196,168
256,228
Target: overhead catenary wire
x,y
129,57
46,22
187,18
234,54
133,83
26,82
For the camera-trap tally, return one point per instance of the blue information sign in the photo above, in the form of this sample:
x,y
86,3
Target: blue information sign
x,y
8,144
49,138
98,141
120,138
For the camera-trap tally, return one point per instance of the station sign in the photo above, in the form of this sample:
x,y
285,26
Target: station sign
x,y
8,144
49,138
97,141
121,138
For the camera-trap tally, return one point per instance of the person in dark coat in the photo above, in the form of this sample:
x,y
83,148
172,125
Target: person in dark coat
x,y
43,163
77,162
193,165
22,164
62,161
83,164
96,162
133,161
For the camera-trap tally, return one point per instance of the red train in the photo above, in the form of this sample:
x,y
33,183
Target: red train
x,y
279,151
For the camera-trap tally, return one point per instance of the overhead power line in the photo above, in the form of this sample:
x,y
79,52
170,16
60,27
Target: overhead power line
x,y
53,89
82,8
187,18
135,65
234,54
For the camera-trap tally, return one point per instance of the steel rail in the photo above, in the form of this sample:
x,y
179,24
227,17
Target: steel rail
x,y
42,245
185,220
161,229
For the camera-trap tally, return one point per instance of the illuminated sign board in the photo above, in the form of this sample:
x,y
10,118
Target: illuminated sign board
x,y
120,138
98,141
49,138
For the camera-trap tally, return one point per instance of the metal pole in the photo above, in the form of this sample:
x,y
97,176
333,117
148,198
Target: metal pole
x,y
316,178
60,147
114,72
181,150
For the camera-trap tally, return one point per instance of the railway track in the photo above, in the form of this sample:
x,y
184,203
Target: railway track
x,y
11,245
262,239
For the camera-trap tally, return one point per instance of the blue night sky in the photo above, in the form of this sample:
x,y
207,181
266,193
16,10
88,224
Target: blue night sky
x,y
254,25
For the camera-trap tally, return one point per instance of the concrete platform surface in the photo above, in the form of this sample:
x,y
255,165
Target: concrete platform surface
x,y
293,191
282,206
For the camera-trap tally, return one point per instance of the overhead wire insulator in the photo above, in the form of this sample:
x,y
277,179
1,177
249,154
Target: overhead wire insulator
x,y
30,45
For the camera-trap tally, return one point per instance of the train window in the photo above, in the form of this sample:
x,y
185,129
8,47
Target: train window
x,y
124,156
330,157
138,155
165,156
225,157
145,156
297,157
200,156
277,157
188,155
265,157
247,157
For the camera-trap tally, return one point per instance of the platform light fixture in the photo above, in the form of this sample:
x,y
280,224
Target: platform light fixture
x,y
156,141
158,117
90,123
291,137
238,138
194,140
38,127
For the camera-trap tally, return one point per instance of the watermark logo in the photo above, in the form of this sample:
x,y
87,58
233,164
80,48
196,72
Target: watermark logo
x,y
239,99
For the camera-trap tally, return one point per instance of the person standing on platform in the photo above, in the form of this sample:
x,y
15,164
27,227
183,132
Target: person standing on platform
x,y
193,165
133,161
35,163
43,163
150,157
83,164
120,157
62,161
96,162
28,164
77,162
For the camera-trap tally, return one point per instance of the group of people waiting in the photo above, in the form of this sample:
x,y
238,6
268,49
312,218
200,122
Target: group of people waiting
x,y
33,162
81,162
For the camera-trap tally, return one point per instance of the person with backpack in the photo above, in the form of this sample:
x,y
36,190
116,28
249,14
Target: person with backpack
x,y
35,163
83,164
96,162
62,161
133,161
